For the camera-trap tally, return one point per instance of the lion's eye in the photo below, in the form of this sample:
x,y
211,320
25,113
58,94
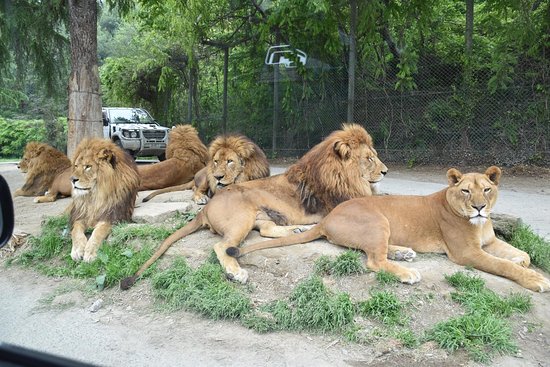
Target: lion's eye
x,y
371,159
87,167
215,162
487,190
229,161
465,191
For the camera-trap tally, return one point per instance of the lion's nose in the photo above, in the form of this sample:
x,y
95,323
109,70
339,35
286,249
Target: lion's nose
x,y
384,172
479,207
73,179
218,177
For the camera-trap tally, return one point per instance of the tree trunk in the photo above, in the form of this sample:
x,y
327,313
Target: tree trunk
x,y
352,60
84,117
469,34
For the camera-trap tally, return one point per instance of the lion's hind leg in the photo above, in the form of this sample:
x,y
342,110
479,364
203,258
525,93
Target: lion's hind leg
x,y
401,253
268,228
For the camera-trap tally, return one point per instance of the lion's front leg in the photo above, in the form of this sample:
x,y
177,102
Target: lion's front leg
x,y
484,261
79,240
230,264
504,250
100,232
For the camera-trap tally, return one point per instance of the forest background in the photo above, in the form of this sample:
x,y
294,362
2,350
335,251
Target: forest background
x,y
440,81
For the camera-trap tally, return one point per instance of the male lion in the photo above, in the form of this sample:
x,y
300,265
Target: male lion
x,y
233,159
105,184
185,155
454,221
341,167
42,163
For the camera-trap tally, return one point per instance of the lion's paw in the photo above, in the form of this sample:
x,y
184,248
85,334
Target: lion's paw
x,y
201,200
535,281
240,276
404,255
76,254
412,277
89,256
524,261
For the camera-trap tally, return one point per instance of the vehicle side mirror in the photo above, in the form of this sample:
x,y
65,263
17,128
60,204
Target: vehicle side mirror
x,y
105,120
6,212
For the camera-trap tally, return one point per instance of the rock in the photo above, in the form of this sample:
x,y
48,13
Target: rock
x,y
504,224
159,212
96,305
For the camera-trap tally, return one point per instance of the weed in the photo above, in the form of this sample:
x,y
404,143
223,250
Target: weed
x,y
385,278
348,263
482,331
383,306
536,246
204,290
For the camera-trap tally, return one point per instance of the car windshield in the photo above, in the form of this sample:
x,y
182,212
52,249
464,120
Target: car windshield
x,y
134,115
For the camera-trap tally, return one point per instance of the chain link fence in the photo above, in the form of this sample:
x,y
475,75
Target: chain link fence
x,y
450,117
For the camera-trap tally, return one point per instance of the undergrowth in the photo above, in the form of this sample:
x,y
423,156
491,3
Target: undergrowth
x,y
536,246
483,329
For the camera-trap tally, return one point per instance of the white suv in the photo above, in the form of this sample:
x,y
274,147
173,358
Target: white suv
x,y
134,130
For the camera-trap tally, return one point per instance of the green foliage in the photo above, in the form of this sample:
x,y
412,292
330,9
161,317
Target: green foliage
x,y
482,331
385,307
384,277
311,306
15,134
204,290
126,249
348,263
536,246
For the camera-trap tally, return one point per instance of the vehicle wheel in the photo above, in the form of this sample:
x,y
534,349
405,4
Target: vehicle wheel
x,y
162,157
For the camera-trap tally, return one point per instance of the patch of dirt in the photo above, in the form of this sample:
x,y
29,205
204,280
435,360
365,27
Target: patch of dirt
x,y
53,314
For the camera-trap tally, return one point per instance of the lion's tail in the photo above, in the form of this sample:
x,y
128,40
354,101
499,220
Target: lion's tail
x,y
186,186
294,239
189,228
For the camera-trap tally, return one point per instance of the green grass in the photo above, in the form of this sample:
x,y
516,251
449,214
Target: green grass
x,y
385,307
483,330
348,263
386,278
126,249
536,246
204,290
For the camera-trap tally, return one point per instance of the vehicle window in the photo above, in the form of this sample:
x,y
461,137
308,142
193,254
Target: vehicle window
x,y
135,116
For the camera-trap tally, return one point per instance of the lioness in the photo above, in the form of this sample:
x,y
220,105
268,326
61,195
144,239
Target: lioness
x,y
233,159
105,184
454,221
341,167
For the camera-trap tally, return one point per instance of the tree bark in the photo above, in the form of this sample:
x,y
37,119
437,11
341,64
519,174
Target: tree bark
x,y
84,118
352,60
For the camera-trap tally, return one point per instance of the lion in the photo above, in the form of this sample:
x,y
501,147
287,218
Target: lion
x,y
455,221
341,167
185,155
42,163
105,184
233,159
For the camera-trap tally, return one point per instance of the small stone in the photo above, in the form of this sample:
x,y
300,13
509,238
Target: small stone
x,y
96,305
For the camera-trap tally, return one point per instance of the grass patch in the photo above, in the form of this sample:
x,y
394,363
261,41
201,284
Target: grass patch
x,y
385,307
482,331
386,278
204,290
126,249
348,263
536,246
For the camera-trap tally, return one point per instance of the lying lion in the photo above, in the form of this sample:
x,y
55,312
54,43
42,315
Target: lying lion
x,y
105,184
454,221
185,156
43,164
233,159
341,167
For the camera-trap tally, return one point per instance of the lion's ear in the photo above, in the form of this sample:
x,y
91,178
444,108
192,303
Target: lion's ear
x,y
108,155
494,174
453,176
342,149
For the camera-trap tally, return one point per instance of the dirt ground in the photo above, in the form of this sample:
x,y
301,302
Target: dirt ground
x,y
53,315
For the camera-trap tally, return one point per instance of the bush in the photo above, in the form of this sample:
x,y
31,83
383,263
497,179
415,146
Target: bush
x,y
15,134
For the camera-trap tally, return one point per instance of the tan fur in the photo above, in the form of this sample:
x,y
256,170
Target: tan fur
x,y
185,155
339,168
233,159
105,184
455,221
42,164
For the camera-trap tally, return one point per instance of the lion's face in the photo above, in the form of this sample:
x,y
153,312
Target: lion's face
x,y
372,168
88,165
225,167
32,151
473,195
